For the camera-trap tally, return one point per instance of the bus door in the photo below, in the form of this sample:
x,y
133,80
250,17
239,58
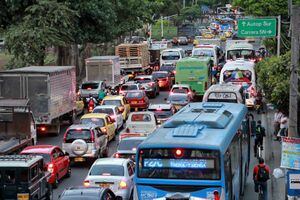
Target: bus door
x,y
228,175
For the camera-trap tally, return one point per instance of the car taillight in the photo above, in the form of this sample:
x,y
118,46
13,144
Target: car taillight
x,y
216,195
92,137
86,183
123,185
189,93
103,129
174,72
43,128
117,155
141,101
65,136
50,168
151,84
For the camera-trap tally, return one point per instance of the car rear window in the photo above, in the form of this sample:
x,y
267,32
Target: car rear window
x,y
112,102
108,111
46,157
137,95
180,90
168,68
107,170
129,87
75,134
159,75
97,121
141,118
91,86
129,145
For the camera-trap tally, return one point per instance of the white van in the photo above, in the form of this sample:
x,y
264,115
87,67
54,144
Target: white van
x,y
241,72
240,50
224,93
171,56
205,50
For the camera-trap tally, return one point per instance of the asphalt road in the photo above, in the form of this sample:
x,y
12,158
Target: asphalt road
x,y
79,172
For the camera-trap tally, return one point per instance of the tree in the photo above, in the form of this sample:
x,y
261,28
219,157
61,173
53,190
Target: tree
x,y
45,24
273,77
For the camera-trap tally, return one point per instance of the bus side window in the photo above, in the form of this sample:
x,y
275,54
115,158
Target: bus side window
x,y
235,154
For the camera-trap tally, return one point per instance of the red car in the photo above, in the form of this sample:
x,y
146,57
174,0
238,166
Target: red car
x,y
137,99
164,79
55,161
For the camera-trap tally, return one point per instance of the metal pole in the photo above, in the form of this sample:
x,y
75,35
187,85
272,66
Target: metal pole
x,y
293,103
278,35
162,27
183,4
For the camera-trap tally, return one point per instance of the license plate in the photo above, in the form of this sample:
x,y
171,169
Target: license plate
x,y
24,196
104,185
134,102
79,159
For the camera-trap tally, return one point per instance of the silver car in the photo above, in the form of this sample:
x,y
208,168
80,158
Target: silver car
x,y
85,142
114,173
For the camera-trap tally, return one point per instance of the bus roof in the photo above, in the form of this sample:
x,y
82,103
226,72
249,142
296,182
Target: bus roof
x,y
238,46
199,125
197,60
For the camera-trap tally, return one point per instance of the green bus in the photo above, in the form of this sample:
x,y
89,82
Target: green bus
x,y
195,72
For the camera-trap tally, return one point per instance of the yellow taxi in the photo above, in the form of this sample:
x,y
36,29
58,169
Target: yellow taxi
x,y
119,101
208,35
104,121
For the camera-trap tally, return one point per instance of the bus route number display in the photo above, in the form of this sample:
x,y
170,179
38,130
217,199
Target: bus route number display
x,y
221,95
179,163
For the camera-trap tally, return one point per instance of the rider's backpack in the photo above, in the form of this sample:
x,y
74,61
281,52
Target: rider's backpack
x,y
262,174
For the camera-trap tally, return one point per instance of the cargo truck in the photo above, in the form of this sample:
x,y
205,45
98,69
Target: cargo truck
x,y
101,72
17,126
50,90
134,58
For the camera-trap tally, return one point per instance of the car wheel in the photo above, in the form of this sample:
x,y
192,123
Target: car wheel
x,y
55,184
68,174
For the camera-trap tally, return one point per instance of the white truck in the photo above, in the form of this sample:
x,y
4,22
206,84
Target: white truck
x,y
14,136
50,90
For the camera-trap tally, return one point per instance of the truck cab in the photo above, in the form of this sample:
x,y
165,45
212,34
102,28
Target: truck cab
x,y
23,177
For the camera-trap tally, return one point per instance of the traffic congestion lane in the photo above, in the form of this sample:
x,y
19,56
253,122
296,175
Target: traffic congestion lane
x,y
80,171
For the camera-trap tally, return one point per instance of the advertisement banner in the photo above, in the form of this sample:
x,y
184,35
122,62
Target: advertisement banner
x,y
290,153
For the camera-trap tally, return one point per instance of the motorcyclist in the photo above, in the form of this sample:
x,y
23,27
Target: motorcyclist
x,y
91,99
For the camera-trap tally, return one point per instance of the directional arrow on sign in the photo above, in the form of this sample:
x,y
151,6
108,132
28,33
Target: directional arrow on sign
x,y
269,31
244,23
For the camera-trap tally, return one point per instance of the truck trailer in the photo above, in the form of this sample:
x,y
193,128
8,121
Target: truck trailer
x,y
50,90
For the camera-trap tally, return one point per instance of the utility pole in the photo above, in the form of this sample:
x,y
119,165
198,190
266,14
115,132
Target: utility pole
x,y
293,104
162,26
183,4
279,34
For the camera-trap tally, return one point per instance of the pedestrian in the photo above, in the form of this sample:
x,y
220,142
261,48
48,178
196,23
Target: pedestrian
x,y
261,175
284,123
260,133
276,122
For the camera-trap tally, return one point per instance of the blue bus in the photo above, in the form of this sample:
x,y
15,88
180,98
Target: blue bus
x,y
203,151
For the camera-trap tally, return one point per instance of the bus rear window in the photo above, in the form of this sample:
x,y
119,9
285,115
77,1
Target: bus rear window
x,y
89,86
237,76
171,55
179,164
222,97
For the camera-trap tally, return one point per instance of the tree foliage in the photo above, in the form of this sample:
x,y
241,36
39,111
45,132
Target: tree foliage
x,y
273,76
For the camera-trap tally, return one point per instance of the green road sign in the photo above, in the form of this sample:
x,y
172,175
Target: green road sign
x,y
257,28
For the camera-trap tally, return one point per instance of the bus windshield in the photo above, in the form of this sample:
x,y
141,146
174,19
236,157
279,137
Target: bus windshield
x,y
171,55
237,76
203,53
179,164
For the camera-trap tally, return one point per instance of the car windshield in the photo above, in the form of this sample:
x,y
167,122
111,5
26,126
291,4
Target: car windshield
x,y
112,102
141,118
182,38
108,111
89,86
46,157
133,95
97,121
107,170
240,53
171,55
129,87
159,75
237,76
129,144
75,134
180,90
178,98
143,80
203,53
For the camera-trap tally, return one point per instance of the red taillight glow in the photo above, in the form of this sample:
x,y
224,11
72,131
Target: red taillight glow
x,y
117,155
86,183
89,88
178,153
43,128
78,129
174,72
151,84
159,109
216,195
123,185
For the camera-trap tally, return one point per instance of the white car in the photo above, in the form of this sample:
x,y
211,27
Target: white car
x,y
114,173
113,112
143,122
183,88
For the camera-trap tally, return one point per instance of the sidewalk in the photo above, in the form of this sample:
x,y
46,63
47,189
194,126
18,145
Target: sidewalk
x,y
273,158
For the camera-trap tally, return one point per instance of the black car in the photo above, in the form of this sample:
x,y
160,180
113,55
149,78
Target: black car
x,y
87,193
